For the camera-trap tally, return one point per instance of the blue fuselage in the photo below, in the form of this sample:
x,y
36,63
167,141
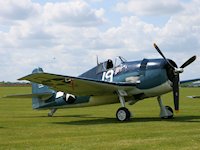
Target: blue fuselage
x,y
149,73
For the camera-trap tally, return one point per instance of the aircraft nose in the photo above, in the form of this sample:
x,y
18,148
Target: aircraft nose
x,y
170,70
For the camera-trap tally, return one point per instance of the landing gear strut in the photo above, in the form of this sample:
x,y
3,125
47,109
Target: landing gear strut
x,y
53,110
166,112
122,114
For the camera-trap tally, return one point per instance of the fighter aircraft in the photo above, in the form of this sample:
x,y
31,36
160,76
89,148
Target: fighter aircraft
x,y
107,83
192,83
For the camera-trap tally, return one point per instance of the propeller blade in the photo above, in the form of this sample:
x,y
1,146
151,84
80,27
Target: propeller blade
x,y
189,61
176,92
160,52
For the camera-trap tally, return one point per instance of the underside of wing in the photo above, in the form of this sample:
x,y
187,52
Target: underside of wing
x,y
77,85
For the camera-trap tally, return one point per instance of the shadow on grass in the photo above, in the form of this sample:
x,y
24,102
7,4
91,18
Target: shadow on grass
x,y
99,120
65,116
89,121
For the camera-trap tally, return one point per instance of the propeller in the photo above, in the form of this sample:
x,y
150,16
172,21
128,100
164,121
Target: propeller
x,y
188,62
175,78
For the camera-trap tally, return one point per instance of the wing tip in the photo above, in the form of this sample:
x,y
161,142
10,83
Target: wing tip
x,y
28,77
24,78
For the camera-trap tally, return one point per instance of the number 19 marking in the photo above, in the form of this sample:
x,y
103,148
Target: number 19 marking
x,y
108,76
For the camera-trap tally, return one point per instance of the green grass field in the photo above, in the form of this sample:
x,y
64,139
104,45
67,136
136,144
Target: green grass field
x,y
94,128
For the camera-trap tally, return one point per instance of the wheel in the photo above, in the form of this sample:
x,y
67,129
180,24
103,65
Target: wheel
x,y
171,111
123,114
50,115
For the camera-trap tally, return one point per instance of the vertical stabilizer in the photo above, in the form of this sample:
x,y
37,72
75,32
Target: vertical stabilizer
x,y
38,102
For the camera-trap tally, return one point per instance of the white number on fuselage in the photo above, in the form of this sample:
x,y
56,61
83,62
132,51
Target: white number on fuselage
x,y
108,76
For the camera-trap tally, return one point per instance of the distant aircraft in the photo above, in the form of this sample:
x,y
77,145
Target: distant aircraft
x,y
192,83
107,83
193,96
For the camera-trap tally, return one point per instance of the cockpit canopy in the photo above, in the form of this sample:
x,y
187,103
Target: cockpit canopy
x,y
106,65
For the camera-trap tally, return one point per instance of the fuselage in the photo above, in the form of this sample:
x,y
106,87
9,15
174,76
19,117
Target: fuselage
x,y
151,76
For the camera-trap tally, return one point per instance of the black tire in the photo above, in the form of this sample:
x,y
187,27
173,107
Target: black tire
x,y
123,114
171,110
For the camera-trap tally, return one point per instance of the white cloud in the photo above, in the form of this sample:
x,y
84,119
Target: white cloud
x,y
17,10
65,37
181,33
55,38
74,13
150,7
133,35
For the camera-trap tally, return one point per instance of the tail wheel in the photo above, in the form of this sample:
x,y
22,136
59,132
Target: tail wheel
x,y
123,114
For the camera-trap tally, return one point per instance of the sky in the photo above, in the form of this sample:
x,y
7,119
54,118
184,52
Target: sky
x,y
65,36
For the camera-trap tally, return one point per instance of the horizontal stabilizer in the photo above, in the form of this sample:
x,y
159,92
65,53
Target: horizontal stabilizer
x,y
42,96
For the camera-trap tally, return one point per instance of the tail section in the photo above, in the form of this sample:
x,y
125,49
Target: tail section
x,y
45,95
42,96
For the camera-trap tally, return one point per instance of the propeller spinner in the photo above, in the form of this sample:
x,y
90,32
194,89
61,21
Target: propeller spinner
x,y
176,73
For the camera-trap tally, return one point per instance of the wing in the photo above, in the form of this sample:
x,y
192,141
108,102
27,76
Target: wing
x,y
189,82
193,96
77,85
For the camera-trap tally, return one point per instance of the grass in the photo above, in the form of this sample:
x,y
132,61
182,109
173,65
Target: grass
x,y
96,127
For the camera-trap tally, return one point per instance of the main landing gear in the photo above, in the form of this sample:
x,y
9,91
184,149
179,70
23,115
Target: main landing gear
x,y
166,112
122,114
53,110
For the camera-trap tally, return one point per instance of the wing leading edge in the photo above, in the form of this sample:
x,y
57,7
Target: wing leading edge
x,y
77,85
